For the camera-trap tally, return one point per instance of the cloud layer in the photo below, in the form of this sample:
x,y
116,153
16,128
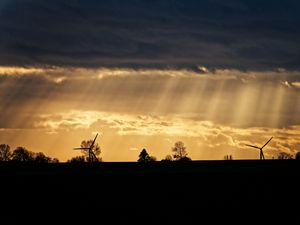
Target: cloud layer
x,y
216,74
231,97
252,35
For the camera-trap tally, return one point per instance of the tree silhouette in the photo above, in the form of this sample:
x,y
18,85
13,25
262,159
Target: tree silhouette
x,y
21,154
284,155
41,158
168,158
180,153
95,149
5,153
145,157
55,160
77,159
152,159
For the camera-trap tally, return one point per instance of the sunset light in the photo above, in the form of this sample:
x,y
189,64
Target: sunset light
x,y
214,88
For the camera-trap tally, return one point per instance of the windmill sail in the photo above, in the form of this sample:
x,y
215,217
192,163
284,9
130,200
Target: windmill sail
x,y
267,142
261,153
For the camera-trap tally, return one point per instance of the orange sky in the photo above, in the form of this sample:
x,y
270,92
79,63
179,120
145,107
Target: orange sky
x,y
213,112
214,74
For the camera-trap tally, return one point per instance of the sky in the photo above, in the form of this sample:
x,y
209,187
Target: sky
x,y
144,74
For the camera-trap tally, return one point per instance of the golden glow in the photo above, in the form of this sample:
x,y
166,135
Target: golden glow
x,y
296,84
215,101
122,136
278,98
214,112
6,70
66,121
244,104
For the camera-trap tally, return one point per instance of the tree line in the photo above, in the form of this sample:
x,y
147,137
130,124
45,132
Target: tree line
x,y
179,153
280,156
21,154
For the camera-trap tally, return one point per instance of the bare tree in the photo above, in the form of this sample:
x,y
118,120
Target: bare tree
x,y
5,153
180,153
95,148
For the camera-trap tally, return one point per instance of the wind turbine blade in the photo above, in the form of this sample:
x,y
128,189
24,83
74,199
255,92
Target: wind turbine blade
x,y
94,141
252,146
81,148
267,142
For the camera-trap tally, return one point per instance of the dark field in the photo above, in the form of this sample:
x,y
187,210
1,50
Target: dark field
x,y
161,191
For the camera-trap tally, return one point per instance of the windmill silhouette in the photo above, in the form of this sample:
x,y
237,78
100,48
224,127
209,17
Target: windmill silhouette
x,y
92,157
261,154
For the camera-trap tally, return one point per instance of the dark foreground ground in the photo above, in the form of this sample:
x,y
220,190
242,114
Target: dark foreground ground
x,y
155,193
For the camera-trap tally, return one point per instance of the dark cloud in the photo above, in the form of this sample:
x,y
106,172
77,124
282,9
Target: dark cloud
x,y
138,33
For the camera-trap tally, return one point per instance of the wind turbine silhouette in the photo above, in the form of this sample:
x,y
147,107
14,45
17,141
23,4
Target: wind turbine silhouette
x,y
92,155
261,154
